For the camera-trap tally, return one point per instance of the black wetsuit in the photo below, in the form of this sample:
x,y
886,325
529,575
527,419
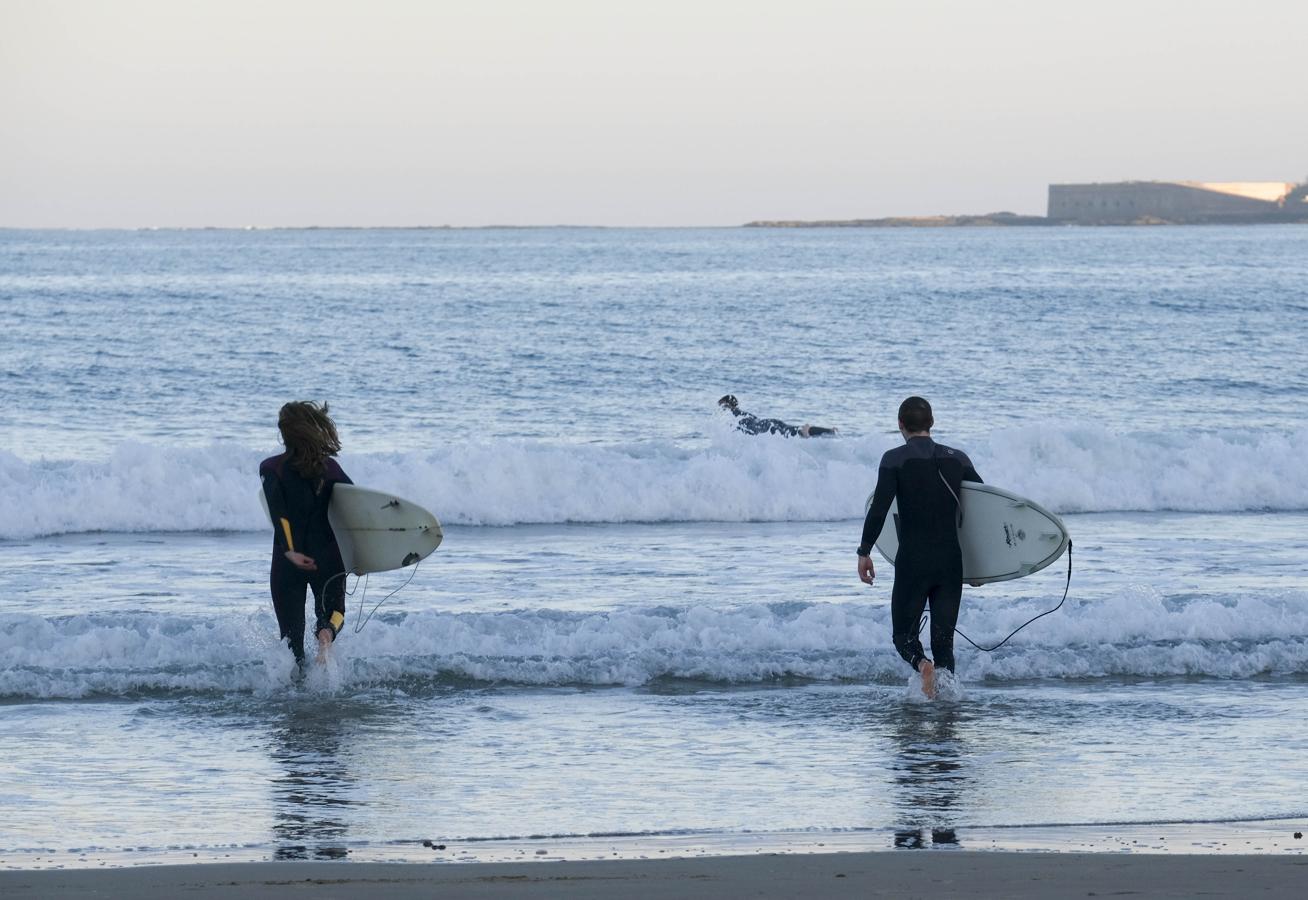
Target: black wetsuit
x,y
298,507
926,478
752,424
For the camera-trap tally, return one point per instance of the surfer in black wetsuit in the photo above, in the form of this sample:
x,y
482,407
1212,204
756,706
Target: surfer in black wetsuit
x,y
298,487
752,424
926,478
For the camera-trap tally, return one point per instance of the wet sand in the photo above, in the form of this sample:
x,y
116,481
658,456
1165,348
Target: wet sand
x,y
906,874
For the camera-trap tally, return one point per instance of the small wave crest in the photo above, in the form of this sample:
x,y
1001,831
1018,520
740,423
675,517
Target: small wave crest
x,y
1137,633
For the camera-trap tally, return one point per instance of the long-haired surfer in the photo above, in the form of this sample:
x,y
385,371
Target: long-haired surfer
x,y
752,424
298,487
925,477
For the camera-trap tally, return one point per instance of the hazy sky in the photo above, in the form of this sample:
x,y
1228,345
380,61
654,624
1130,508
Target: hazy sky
x,y
401,112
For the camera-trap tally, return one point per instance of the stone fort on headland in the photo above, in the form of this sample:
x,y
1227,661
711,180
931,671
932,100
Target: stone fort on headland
x,y
1117,203
1147,202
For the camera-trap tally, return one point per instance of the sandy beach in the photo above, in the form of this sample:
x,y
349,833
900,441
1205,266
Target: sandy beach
x,y
1259,859
936,874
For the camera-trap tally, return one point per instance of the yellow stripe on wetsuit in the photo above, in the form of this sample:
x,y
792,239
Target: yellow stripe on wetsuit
x,y
337,620
286,527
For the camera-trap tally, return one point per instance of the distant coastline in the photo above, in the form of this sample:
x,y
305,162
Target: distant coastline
x,y
1006,219
1119,203
989,220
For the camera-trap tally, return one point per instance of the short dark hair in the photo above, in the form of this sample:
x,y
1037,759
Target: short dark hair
x,y
915,415
729,401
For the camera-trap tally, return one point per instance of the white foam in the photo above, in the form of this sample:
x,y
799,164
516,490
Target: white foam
x,y
1135,634
732,477
1089,469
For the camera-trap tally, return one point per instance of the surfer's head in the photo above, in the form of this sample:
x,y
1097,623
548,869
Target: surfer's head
x,y
915,416
309,435
728,401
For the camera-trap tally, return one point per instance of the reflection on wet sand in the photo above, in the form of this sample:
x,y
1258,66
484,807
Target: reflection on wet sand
x,y
928,773
311,794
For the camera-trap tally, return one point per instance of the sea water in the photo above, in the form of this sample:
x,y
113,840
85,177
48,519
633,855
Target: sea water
x,y
642,621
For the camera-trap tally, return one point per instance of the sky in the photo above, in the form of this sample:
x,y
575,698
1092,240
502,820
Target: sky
x,y
189,113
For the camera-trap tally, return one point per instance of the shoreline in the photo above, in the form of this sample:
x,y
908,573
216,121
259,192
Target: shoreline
x,y
1260,838
944,874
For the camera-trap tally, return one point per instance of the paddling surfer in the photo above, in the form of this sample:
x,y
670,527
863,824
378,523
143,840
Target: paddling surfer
x,y
752,424
925,477
298,487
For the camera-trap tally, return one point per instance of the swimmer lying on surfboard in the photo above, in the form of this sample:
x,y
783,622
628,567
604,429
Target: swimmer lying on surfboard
x,y
752,424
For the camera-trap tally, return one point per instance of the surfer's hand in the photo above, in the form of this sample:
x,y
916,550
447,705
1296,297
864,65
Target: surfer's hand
x,y
300,561
866,571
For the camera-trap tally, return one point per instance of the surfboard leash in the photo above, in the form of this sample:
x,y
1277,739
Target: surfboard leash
x,y
1066,588
362,597
345,584
358,626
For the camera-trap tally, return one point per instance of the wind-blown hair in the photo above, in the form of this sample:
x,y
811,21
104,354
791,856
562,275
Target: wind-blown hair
x,y
309,435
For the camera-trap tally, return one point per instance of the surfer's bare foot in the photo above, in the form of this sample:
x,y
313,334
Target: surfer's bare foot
x,y
928,670
324,641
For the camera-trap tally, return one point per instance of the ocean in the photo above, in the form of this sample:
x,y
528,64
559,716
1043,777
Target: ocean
x,y
643,623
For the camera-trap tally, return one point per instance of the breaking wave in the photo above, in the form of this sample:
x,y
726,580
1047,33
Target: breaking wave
x,y
152,487
1137,633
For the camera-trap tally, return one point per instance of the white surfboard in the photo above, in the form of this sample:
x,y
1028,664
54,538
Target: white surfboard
x,y
1003,536
377,531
